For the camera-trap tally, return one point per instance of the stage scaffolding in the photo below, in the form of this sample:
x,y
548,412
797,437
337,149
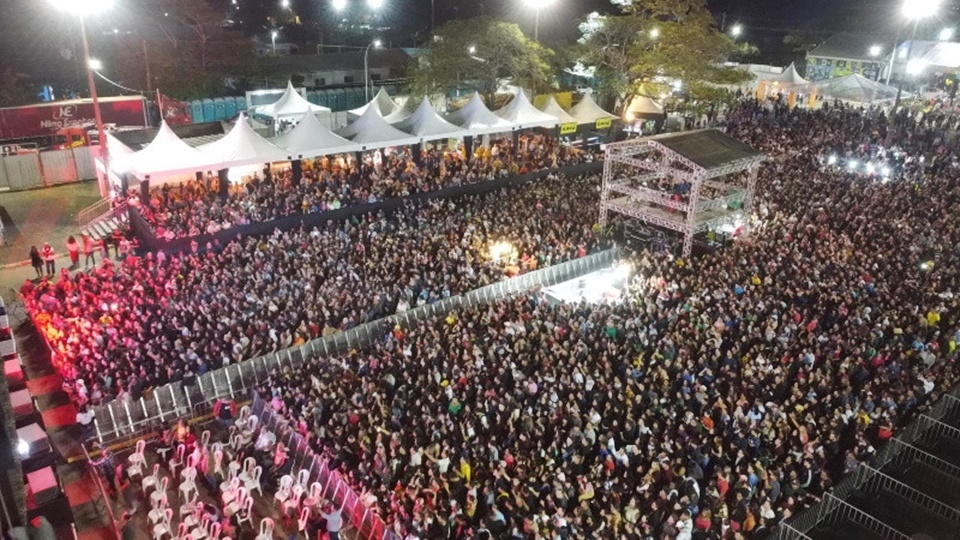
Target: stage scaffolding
x,y
688,182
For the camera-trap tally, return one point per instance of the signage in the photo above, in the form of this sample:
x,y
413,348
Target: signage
x,y
568,128
48,118
604,123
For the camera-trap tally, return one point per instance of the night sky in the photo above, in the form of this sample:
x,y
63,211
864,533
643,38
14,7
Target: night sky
x,y
35,38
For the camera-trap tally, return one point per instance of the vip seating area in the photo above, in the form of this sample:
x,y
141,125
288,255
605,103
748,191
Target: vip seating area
x,y
231,478
120,329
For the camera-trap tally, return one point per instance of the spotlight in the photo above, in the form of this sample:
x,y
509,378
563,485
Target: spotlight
x,y
832,160
23,448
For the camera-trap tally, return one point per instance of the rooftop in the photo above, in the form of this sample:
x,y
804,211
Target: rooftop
x,y
852,47
707,148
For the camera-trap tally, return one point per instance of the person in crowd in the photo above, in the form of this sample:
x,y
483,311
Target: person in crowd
x,y
73,248
36,261
89,251
49,258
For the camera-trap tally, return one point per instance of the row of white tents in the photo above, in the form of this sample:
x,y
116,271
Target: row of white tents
x,y
382,123
853,88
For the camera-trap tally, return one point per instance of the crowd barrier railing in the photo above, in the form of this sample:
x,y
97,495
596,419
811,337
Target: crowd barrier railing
x,y
364,520
121,419
920,430
149,241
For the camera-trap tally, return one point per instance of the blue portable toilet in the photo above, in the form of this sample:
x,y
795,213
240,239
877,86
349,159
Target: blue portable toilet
x,y
209,110
312,97
230,107
338,99
241,103
196,111
358,98
219,108
323,98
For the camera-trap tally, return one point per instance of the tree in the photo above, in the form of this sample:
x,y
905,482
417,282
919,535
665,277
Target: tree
x,y
652,43
13,88
483,51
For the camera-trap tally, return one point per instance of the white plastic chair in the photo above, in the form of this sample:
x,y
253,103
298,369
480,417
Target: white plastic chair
x,y
162,528
137,460
303,478
232,474
195,516
237,503
314,495
213,532
244,414
285,489
182,532
151,481
200,531
205,438
246,513
253,483
218,463
158,512
189,507
228,495
160,492
250,430
189,483
303,520
266,529
292,505
248,465
177,460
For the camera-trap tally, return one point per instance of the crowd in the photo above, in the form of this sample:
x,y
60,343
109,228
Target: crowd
x,y
123,327
719,397
195,207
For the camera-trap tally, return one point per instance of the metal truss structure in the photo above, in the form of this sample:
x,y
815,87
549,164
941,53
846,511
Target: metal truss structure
x,y
641,177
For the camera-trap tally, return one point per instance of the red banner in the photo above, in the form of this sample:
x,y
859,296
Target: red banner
x,y
48,118
174,113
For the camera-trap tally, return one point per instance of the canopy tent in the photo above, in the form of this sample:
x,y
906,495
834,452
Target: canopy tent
x,y
645,108
553,108
240,146
402,113
371,131
786,77
941,54
384,104
855,88
522,113
311,138
476,119
290,104
166,154
427,124
588,112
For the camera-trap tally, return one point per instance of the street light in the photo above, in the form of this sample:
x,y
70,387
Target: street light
x,y
273,40
915,10
366,68
875,50
736,30
472,50
285,4
375,4
654,33
339,5
95,65
85,8
946,34
537,5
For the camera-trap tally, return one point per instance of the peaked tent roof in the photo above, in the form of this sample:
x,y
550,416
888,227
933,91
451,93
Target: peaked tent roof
x,y
477,119
587,111
384,104
644,107
371,131
787,76
522,113
402,113
166,153
291,103
311,138
427,124
240,146
553,108
856,88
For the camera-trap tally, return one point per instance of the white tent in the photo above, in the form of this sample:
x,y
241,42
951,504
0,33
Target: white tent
x,y
477,119
371,131
290,104
402,113
310,138
787,76
427,124
522,113
553,108
644,107
940,54
854,88
588,112
241,146
167,153
382,102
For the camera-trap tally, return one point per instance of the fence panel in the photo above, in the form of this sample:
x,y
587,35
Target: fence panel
x,y
23,171
83,161
58,166
4,182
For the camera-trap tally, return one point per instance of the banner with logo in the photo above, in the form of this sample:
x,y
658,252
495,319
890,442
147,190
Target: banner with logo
x,y
568,128
173,112
604,123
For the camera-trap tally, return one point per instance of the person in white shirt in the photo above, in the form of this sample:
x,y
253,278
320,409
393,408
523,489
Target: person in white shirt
x,y
334,521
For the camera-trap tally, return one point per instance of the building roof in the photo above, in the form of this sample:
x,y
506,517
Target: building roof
x,y
852,47
707,148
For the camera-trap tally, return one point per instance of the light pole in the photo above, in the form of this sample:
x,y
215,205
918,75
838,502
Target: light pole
x,y
537,5
83,8
914,10
273,40
366,68
736,30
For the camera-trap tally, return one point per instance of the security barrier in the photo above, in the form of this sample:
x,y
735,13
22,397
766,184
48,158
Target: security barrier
x,y
118,420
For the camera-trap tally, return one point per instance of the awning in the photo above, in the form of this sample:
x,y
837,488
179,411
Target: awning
x,y
311,138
